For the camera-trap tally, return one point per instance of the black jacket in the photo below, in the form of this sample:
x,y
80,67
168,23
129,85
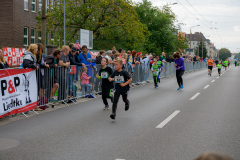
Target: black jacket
x,y
4,65
50,61
74,60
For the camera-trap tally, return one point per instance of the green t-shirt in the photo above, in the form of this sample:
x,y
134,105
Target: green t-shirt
x,y
157,68
159,63
225,63
219,66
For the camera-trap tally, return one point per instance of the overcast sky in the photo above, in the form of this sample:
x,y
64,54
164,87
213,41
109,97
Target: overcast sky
x,y
223,16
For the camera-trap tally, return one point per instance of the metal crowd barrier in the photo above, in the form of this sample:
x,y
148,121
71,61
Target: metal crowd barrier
x,y
63,85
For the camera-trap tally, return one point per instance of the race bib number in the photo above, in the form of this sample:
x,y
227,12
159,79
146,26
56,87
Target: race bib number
x,y
104,75
155,72
119,79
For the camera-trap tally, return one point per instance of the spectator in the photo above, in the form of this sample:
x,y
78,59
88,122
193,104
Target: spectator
x,y
29,57
84,55
109,56
129,61
138,59
52,60
64,74
213,156
73,58
40,73
195,58
29,61
170,59
134,55
3,62
113,55
124,58
78,45
85,82
99,57
147,63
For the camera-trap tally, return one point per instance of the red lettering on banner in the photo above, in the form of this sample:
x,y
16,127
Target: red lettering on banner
x,y
13,52
5,51
10,61
21,52
9,52
18,61
14,61
11,88
17,52
21,60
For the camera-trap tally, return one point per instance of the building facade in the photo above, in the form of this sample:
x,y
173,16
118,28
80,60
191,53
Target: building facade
x,y
18,23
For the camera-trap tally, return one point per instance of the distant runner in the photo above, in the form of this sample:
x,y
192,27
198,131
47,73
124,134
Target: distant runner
x,y
225,64
219,65
210,66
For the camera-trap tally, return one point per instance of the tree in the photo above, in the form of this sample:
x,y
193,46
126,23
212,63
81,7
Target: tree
x,y
224,53
181,42
237,56
163,35
198,50
113,22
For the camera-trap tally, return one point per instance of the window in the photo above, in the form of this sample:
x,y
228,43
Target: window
x,y
40,5
34,5
25,36
32,36
26,5
39,37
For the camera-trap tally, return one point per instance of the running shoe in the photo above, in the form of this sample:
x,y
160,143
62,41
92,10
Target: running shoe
x,y
156,85
113,115
182,87
127,106
179,88
106,107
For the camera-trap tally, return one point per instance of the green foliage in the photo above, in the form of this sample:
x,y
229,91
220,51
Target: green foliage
x,y
111,21
200,50
224,54
117,23
182,43
162,32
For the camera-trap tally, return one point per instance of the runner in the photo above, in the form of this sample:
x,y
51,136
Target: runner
x,y
156,70
179,64
122,80
225,63
159,63
104,73
210,66
219,65
235,63
228,63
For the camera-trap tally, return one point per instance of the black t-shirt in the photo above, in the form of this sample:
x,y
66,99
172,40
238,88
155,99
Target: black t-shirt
x,y
121,77
105,74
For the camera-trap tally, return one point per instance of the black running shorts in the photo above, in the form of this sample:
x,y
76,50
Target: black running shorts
x,y
210,67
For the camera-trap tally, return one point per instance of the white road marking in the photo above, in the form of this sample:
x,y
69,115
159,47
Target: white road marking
x,y
195,96
217,77
120,159
206,86
161,125
213,81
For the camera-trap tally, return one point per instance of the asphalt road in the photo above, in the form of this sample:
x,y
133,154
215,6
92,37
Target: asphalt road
x,y
161,124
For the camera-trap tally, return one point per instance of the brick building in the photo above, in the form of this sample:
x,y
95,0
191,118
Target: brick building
x,y
17,22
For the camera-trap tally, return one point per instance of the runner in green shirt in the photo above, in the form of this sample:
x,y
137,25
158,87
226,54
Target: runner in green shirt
x,y
225,63
219,65
155,70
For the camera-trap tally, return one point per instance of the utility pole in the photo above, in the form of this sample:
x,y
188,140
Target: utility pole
x,y
43,31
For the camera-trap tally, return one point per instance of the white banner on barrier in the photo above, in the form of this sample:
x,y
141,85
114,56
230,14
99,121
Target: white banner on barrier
x,y
18,91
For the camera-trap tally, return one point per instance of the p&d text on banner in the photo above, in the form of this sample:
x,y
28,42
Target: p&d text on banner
x,y
18,91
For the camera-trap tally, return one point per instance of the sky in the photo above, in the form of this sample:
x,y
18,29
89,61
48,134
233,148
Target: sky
x,y
219,20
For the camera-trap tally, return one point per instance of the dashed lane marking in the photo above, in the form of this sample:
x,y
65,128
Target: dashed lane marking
x,y
195,96
161,125
213,81
206,86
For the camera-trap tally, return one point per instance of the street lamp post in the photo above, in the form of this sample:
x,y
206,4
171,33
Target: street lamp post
x,y
191,37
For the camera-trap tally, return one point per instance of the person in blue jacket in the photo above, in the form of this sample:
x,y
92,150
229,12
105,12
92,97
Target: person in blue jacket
x,y
180,68
84,55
